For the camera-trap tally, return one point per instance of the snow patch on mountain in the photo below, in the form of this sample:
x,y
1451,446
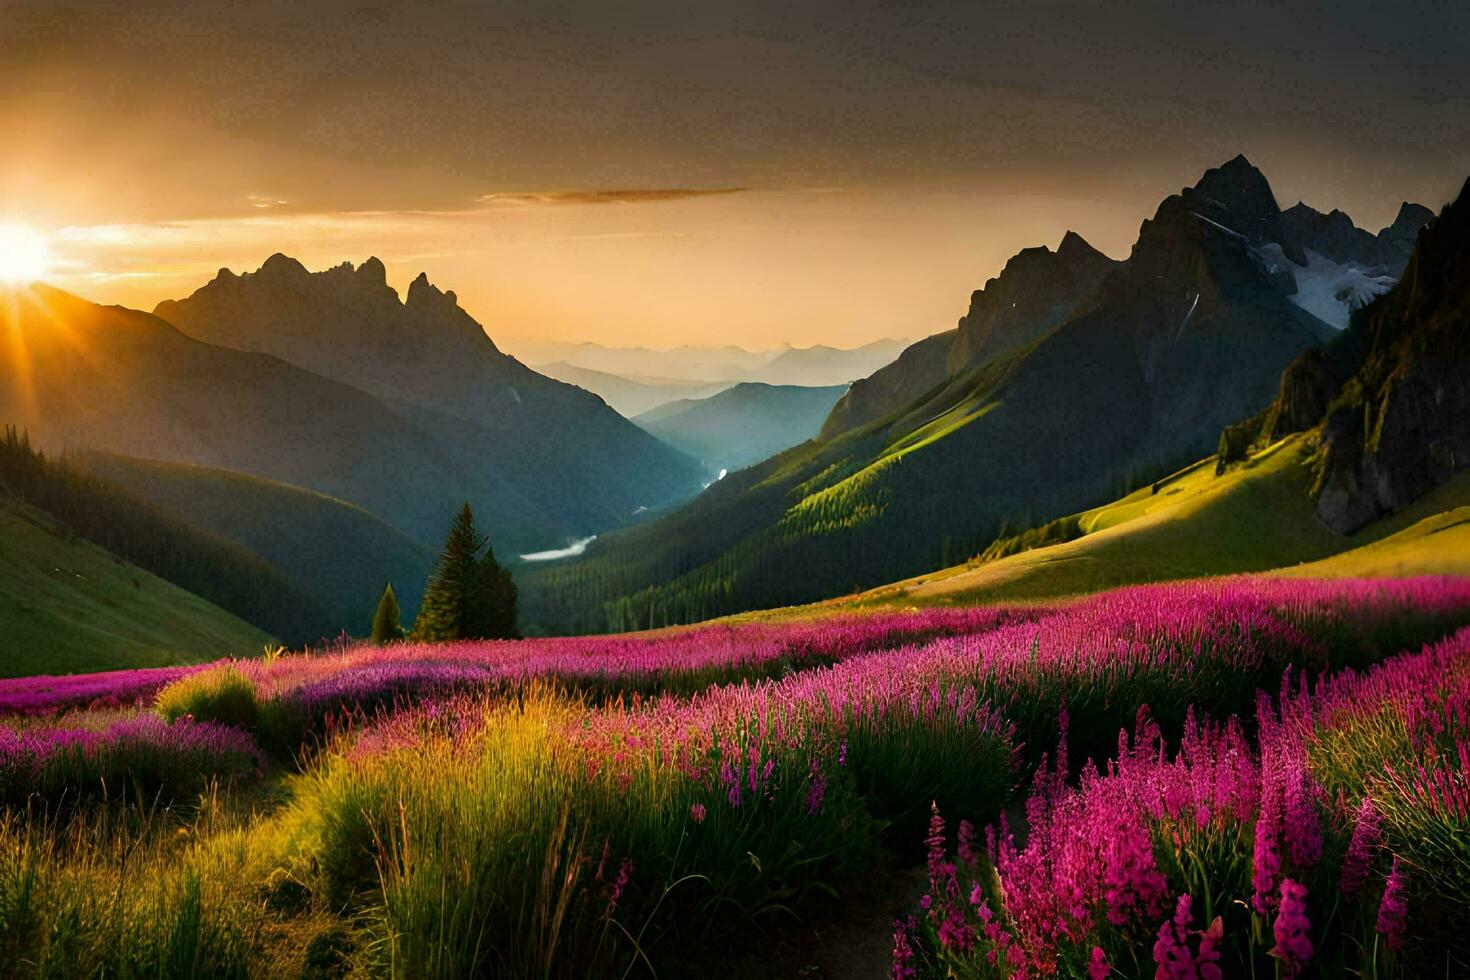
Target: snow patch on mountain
x,y
1328,290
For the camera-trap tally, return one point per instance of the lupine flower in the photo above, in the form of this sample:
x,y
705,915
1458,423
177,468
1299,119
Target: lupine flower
x,y
1266,862
966,849
955,934
1367,836
814,795
903,953
1302,830
1292,948
625,871
1393,911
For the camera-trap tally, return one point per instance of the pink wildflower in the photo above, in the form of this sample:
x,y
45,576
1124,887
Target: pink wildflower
x,y
814,795
697,812
1292,948
903,953
1367,836
625,871
1097,965
1393,911
1267,862
966,846
955,934
1302,830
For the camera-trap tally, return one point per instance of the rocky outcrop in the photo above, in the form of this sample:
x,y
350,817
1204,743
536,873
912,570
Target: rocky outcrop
x,y
1336,237
1034,293
1402,423
918,370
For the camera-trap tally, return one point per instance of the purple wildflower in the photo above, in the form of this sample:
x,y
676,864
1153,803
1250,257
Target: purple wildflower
x,y
903,953
1393,911
814,795
1303,832
625,871
955,934
1266,861
966,848
1292,948
1367,836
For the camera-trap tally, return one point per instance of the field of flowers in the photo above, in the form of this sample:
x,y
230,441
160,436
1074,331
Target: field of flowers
x,y
1124,798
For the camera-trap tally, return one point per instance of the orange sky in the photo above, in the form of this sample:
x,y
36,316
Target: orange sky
x,y
894,155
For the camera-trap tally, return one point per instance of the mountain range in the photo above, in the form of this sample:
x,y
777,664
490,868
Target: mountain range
x,y
630,395
816,366
542,456
306,436
742,425
1071,379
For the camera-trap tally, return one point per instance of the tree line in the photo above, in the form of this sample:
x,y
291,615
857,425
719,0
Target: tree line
x,y
470,596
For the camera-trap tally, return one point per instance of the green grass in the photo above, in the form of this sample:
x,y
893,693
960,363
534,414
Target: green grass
x,y
1256,517
68,606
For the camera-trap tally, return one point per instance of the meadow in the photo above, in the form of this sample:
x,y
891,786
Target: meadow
x,y
1230,777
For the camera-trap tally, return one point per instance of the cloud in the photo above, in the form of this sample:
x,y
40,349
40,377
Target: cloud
x,y
624,196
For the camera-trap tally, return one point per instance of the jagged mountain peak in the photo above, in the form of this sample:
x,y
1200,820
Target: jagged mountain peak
x,y
1239,186
1407,224
372,270
281,265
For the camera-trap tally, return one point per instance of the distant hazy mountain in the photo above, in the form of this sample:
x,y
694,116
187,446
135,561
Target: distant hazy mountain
x,y
744,425
821,365
535,445
1077,396
630,396
688,363
815,366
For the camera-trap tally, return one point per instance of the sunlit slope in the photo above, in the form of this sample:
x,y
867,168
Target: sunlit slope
x,y
1256,517
1436,545
67,605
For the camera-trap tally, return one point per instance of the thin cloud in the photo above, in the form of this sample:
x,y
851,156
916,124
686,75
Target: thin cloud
x,y
624,196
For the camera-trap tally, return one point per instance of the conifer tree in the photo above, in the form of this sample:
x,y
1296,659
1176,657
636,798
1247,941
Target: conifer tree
x,y
386,624
470,596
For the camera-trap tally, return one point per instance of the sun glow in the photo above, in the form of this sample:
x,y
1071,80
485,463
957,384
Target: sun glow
x,y
24,256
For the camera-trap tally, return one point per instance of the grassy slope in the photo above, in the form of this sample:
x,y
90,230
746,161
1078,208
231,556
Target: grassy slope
x,y
67,605
1254,518
339,552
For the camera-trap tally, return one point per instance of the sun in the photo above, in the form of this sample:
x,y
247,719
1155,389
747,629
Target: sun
x,y
24,257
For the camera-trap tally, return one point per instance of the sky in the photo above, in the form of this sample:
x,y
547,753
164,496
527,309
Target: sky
x,y
698,172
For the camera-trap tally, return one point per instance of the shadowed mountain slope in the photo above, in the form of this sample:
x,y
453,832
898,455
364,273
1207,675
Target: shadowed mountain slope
x,y
340,554
80,375
630,396
552,448
742,425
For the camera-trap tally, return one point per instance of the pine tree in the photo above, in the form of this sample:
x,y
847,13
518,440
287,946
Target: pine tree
x,y
470,596
386,624
500,596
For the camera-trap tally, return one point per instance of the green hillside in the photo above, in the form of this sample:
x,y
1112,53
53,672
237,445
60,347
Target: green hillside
x,y
1256,517
335,551
66,606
